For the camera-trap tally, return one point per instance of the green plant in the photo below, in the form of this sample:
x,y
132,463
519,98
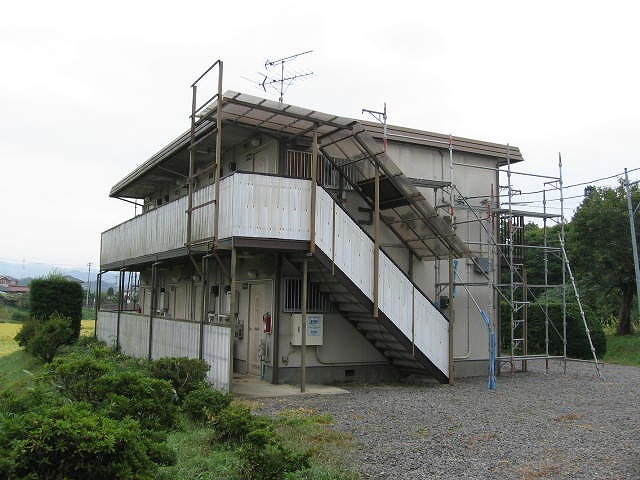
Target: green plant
x,y
72,442
185,374
133,394
269,460
205,401
78,374
577,342
27,332
56,294
20,316
50,336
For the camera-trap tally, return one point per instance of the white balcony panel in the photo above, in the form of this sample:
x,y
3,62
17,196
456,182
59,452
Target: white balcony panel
x,y
324,221
172,338
354,252
432,332
270,207
156,231
202,221
395,295
225,219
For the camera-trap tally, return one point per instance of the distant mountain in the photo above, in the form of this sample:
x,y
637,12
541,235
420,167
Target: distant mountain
x,y
25,272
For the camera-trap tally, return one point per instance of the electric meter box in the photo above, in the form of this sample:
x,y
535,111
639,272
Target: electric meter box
x,y
315,327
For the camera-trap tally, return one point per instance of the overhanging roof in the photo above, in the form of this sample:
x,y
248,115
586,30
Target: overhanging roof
x,y
282,119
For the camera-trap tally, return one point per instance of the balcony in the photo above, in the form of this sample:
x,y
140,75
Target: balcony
x,y
251,205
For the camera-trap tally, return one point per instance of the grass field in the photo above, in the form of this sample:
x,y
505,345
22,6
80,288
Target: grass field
x,y
623,350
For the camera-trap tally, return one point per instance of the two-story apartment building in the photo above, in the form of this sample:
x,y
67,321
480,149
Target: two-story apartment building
x,y
266,220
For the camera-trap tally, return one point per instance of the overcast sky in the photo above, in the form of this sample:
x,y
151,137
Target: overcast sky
x,y
89,92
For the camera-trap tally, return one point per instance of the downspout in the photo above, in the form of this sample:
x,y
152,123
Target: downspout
x,y
152,303
120,297
205,295
276,321
97,303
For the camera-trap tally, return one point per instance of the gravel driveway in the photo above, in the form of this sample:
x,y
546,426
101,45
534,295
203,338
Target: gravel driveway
x,y
534,426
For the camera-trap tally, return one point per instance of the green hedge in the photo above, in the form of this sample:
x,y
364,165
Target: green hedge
x,y
57,295
577,341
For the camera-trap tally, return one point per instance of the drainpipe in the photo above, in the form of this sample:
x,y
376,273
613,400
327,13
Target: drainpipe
x,y
276,321
152,303
120,297
205,274
97,303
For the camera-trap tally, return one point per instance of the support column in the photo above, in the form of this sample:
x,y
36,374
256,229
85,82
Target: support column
x,y
216,214
303,347
376,243
120,295
452,317
192,162
314,186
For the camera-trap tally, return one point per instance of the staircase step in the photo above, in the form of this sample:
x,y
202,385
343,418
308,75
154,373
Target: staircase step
x,y
351,307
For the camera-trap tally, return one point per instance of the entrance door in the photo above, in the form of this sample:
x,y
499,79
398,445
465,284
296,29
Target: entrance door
x,y
259,304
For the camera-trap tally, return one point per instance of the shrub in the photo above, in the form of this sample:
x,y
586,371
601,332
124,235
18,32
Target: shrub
x,y
77,374
49,336
151,401
27,332
20,316
577,341
58,295
185,374
73,442
205,402
262,453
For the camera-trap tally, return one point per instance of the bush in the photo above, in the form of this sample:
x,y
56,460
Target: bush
x,y
577,341
185,374
262,453
58,295
20,316
27,332
204,402
73,442
50,336
270,461
151,401
77,375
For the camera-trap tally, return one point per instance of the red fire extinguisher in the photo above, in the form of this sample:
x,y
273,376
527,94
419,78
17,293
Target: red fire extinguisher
x,y
266,319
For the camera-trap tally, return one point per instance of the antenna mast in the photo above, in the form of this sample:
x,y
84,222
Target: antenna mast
x,y
382,118
289,78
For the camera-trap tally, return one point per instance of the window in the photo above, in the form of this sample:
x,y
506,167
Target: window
x,y
317,301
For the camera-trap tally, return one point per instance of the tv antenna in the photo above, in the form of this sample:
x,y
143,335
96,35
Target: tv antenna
x,y
286,78
382,118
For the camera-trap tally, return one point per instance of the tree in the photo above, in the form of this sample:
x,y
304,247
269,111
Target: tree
x,y
600,248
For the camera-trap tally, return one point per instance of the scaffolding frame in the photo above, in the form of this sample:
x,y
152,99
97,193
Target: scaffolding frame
x,y
506,243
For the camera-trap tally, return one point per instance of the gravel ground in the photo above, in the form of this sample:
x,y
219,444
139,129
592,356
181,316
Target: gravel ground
x,y
535,425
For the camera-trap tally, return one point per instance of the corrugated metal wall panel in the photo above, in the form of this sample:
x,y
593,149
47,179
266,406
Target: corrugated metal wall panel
x,y
217,353
271,207
172,338
202,222
395,295
324,221
106,327
354,252
226,212
432,332
134,334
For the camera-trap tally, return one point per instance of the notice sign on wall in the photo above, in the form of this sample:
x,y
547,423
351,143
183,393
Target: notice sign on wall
x,y
314,329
